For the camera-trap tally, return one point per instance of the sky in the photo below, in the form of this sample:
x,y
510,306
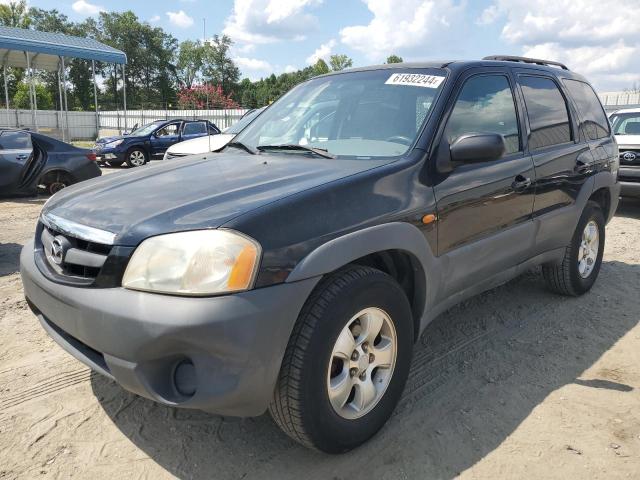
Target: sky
x,y
598,38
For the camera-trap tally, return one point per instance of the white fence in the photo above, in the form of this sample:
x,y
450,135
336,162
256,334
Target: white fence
x,y
88,126
613,101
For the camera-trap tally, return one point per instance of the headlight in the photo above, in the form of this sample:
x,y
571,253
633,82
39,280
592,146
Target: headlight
x,y
199,262
113,144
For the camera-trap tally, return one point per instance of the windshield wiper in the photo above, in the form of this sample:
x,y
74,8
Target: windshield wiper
x,y
242,146
318,151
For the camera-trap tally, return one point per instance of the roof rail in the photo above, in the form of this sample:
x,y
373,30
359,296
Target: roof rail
x,y
537,61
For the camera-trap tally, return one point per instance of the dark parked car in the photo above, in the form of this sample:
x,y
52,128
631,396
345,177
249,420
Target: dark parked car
x,y
152,140
32,163
295,270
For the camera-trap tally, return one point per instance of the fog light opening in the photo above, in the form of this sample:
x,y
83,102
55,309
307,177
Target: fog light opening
x,y
184,378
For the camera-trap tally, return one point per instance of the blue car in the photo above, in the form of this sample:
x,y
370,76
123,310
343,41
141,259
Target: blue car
x,y
151,140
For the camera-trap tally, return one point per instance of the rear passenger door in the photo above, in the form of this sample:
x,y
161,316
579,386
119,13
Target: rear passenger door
x,y
15,154
561,160
193,130
484,208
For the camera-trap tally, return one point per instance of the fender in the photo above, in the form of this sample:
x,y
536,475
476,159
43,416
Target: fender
x,y
340,251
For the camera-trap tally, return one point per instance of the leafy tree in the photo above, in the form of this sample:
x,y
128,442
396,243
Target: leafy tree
x,y
15,14
43,97
340,62
394,59
202,96
321,67
189,62
217,66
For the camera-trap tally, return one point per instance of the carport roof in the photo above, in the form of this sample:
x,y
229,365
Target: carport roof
x,y
46,48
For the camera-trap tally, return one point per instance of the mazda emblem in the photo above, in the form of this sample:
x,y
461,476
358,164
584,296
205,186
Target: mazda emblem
x,y
57,251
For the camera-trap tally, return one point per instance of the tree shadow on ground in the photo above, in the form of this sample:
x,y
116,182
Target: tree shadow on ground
x,y
478,372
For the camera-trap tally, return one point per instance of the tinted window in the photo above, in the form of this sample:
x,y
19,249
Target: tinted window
x,y
15,141
195,128
547,111
626,123
594,120
485,105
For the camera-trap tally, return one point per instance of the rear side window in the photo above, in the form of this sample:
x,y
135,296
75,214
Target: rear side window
x,y
485,105
547,111
194,128
594,120
15,141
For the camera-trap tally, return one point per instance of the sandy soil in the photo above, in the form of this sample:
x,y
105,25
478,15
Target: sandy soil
x,y
516,383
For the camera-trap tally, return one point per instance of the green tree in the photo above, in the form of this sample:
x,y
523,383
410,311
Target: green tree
x,y
43,97
15,14
320,67
340,62
217,66
394,59
189,63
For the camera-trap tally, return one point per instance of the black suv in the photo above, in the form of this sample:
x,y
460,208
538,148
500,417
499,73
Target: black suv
x,y
295,270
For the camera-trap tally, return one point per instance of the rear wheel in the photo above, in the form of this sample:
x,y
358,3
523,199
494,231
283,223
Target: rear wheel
x,y
136,157
53,182
582,258
347,361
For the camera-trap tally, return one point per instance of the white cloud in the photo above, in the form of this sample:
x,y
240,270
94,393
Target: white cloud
x,y
599,38
154,19
489,15
402,27
85,8
254,64
290,69
268,21
323,51
180,19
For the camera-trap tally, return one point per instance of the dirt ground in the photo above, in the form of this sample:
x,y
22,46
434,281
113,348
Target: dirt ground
x,y
516,383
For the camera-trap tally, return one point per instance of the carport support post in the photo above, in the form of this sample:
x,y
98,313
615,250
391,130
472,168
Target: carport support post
x,y
124,96
61,104
32,93
66,103
95,97
6,92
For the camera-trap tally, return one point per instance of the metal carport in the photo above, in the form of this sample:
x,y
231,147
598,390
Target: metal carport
x,y
32,50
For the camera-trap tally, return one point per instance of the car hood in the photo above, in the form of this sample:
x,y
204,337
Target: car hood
x,y
193,194
202,144
110,139
628,141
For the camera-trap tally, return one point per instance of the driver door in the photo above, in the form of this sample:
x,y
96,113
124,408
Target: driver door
x,y
485,209
164,137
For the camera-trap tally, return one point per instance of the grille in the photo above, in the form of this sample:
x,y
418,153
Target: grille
x,y
630,157
69,256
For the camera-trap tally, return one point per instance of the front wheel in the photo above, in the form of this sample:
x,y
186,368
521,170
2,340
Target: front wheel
x,y
347,361
582,258
136,157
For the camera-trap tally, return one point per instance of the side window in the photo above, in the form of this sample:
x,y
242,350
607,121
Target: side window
x,y
547,112
15,141
594,120
170,130
194,128
485,105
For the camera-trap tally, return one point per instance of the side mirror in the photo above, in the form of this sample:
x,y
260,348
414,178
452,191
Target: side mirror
x,y
477,147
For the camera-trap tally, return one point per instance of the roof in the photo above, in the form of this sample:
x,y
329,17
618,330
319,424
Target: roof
x,y
46,48
627,110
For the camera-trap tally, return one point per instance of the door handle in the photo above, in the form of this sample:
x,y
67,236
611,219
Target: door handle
x,y
21,156
521,183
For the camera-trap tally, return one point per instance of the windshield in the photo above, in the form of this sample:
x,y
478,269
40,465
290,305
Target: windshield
x,y
145,129
626,123
376,113
243,122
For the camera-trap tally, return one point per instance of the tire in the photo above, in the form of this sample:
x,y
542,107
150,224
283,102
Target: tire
x,y
136,157
301,404
567,278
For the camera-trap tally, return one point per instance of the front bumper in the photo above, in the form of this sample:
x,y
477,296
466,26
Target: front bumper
x,y
106,154
629,181
234,342
630,189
